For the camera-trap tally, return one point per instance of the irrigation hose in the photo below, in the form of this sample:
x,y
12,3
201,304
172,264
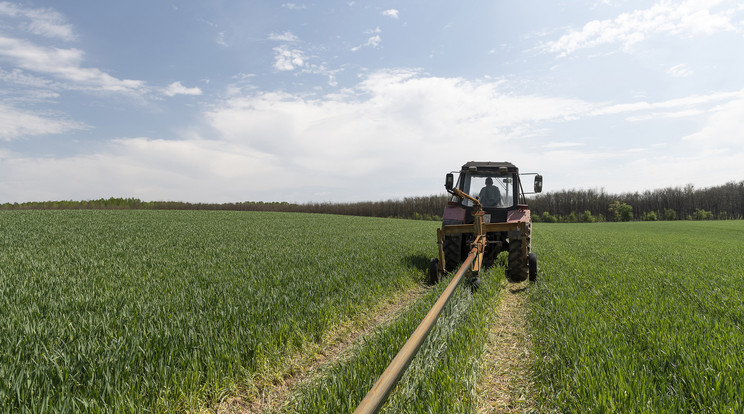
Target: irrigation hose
x,y
377,395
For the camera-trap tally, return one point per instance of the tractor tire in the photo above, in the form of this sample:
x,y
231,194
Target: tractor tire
x,y
434,276
474,284
452,257
518,270
532,260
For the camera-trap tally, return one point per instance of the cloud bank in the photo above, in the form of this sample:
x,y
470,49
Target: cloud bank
x,y
692,17
387,137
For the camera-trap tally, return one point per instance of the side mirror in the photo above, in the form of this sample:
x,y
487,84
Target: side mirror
x,y
538,183
449,182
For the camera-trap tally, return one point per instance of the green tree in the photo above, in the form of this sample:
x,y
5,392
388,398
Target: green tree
x,y
701,214
670,214
548,218
587,217
621,211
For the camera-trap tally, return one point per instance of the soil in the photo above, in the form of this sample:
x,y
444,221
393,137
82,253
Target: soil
x,y
506,382
271,390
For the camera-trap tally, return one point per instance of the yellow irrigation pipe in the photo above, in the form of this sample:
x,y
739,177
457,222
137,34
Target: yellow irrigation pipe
x,y
380,391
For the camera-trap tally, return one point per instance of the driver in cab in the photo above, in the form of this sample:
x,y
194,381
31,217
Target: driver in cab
x,y
490,196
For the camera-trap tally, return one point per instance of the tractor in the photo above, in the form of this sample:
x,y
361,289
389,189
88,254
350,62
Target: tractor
x,y
487,213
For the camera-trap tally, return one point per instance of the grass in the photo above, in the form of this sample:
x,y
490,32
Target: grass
x,y
443,375
169,311
640,317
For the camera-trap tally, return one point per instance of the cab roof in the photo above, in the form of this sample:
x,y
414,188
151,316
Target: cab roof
x,y
490,166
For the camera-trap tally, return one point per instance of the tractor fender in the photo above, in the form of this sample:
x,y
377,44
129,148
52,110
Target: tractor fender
x,y
519,215
453,215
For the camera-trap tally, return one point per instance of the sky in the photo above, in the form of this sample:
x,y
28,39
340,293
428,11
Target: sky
x,y
342,101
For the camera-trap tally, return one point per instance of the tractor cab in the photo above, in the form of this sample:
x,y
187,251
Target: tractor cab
x,y
492,189
497,187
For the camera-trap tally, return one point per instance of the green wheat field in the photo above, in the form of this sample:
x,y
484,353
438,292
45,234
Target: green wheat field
x,y
175,311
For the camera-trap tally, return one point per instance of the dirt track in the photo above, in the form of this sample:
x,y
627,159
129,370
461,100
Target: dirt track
x,y
505,384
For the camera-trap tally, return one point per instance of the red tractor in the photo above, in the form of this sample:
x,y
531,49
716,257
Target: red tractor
x,y
487,212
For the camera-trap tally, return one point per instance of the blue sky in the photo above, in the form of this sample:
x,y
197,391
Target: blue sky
x,y
226,101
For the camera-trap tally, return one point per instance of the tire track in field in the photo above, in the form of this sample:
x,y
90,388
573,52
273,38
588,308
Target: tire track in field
x,y
271,391
506,385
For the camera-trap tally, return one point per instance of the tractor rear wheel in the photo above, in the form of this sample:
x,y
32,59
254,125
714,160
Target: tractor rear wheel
x,y
434,275
532,259
518,269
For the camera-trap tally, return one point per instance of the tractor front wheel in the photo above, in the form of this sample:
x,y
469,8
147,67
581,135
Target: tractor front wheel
x,y
518,270
452,252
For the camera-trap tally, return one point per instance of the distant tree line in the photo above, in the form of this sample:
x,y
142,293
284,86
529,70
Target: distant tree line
x,y
418,208
672,203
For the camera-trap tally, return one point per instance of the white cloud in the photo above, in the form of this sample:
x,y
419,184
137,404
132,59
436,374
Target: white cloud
x,y
288,59
151,169
43,22
19,77
391,13
294,6
176,88
688,18
221,39
679,71
388,118
553,145
15,123
283,37
64,64
372,41
687,102
724,129
651,116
